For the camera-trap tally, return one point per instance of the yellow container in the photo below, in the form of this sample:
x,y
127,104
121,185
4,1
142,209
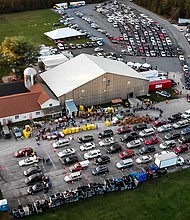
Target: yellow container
x,y
65,131
107,123
93,126
69,131
77,129
88,127
73,130
84,127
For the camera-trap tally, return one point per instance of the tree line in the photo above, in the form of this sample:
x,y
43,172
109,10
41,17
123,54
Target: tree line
x,y
173,9
9,6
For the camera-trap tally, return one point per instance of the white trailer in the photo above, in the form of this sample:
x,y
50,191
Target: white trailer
x,y
168,160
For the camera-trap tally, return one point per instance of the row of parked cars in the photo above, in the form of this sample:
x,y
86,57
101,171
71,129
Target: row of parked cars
x,y
140,34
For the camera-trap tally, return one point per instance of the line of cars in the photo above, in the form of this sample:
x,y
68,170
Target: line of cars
x,y
141,35
35,178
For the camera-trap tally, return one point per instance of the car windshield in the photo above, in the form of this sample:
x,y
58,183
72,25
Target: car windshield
x,y
20,151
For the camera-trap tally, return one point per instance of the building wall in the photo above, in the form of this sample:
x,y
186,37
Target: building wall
x,y
105,88
50,103
22,117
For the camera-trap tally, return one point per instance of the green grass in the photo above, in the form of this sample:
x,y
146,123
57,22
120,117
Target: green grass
x,y
30,24
164,198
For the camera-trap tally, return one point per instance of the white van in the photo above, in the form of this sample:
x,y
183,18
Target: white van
x,y
186,114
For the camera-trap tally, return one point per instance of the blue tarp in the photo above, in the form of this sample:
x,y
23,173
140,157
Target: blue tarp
x,y
70,105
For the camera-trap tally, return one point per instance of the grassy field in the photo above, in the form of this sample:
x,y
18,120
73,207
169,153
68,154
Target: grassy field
x,y
30,24
164,198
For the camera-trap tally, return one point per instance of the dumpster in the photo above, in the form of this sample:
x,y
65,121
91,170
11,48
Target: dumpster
x,y
84,127
73,130
107,123
65,131
77,129
88,127
93,126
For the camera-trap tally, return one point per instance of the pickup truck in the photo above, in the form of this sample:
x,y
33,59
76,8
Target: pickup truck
x,y
163,93
79,166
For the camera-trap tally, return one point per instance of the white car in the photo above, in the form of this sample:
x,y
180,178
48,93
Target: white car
x,y
98,49
66,152
161,153
144,159
181,124
28,161
61,143
164,128
73,176
87,146
134,143
92,154
147,132
168,144
107,142
122,164
181,58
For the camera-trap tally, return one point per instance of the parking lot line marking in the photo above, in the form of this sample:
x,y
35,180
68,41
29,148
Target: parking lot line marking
x,y
32,199
43,167
19,201
101,179
49,157
79,155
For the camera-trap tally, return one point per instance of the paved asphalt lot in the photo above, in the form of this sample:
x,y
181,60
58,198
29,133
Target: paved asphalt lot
x,y
11,177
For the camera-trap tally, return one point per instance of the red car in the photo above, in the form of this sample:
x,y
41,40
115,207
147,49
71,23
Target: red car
x,y
151,141
181,149
127,154
188,97
159,122
124,129
24,152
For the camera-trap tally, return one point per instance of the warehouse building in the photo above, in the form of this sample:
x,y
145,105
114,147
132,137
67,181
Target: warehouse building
x,y
91,80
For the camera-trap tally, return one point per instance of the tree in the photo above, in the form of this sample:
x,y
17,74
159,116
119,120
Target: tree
x,y
18,52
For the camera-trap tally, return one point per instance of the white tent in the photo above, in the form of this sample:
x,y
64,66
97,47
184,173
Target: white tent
x,y
146,65
131,64
62,33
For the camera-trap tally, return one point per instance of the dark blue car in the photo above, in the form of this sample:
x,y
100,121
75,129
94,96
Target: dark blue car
x,y
185,131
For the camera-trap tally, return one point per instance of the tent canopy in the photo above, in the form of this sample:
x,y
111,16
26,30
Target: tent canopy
x,y
70,105
62,33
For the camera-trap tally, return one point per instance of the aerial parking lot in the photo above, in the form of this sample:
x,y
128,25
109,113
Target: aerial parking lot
x,y
123,149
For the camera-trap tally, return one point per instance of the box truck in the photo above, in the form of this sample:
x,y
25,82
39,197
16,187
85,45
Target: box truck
x,y
167,160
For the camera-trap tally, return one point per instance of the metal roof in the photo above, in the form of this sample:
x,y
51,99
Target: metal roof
x,y
82,69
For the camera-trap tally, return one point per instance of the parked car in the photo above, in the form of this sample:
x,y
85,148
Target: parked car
x,y
126,154
69,160
151,141
168,144
174,117
107,142
28,161
24,151
147,149
82,165
67,152
163,93
61,143
146,132
185,131
164,128
139,127
34,178
102,160
172,136
92,154
38,187
134,143
86,138
144,159
116,147
159,122
6,132
87,146
100,170
181,124
32,170
105,133
124,129
123,164
181,149
73,176
184,139
16,131
130,137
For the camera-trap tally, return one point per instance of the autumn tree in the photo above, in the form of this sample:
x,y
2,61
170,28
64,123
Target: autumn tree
x,y
18,52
